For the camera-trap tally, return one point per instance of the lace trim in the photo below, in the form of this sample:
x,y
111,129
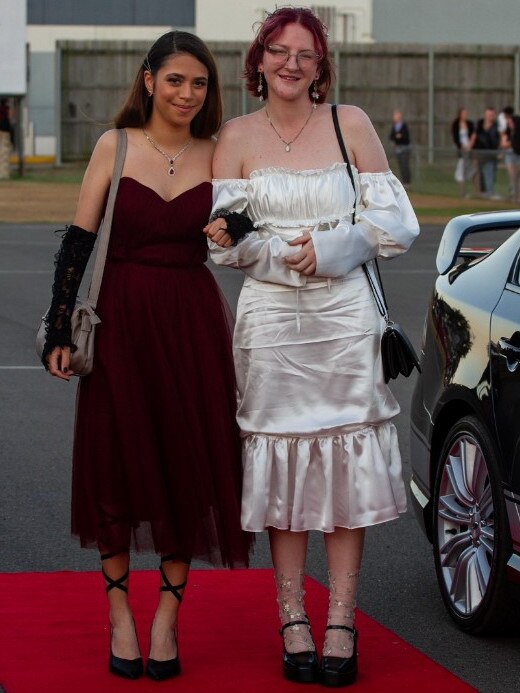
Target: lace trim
x,y
70,263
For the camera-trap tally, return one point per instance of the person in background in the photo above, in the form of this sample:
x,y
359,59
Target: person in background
x,y
509,129
5,119
320,451
463,135
486,144
400,136
156,459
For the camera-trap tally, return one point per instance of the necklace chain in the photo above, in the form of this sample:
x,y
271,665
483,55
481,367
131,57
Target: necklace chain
x,y
170,159
289,142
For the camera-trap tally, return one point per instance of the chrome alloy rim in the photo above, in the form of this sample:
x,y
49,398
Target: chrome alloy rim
x,y
465,527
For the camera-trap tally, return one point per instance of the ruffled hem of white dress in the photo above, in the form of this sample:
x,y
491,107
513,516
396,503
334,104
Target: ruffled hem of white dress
x,y
350,479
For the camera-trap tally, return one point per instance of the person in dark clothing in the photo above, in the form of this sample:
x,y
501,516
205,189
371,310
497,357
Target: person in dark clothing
x,y
5,119
486,142
400,136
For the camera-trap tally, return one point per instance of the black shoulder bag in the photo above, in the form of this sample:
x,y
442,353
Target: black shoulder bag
x,y
397,352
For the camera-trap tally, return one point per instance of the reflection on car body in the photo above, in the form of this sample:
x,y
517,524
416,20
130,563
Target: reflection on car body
x,y
465,432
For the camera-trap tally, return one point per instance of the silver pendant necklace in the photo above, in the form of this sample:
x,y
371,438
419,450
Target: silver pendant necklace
x,y
288,143
170,159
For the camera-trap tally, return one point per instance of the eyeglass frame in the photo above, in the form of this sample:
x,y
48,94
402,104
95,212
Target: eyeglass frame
x,y
270,46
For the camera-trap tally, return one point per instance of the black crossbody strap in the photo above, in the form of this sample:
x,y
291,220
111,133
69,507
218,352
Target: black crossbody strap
x,y
380,297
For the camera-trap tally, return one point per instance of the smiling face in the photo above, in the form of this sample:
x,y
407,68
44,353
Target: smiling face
x,y
290,80
179,89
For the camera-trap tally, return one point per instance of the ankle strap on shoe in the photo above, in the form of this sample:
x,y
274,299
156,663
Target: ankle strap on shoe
x,y
338,627
117,583
168,587
293,623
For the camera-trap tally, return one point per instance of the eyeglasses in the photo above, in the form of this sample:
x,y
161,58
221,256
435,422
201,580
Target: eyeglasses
x,y
281,55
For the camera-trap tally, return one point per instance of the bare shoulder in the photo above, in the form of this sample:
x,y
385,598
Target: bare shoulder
x,y
104,153
367,151
232,146
237,129
353,118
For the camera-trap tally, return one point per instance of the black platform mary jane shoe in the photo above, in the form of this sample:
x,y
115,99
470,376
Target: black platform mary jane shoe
x,y
301,667
336,672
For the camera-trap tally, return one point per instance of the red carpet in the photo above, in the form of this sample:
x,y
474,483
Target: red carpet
x,y
54,637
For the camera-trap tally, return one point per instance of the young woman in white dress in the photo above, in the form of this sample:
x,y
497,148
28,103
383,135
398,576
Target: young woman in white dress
x,y
319,449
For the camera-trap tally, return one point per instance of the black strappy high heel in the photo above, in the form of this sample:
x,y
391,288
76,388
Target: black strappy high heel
x,y
126,668
339,671
167,669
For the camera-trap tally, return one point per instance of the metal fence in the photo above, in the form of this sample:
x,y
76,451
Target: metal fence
x,y
427,83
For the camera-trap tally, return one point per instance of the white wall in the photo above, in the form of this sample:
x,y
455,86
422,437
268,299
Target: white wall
x,y
347,20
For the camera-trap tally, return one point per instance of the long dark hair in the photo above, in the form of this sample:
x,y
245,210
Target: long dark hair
x,y
138,105
270,29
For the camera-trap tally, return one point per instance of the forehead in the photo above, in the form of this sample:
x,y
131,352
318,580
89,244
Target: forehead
x,y
184,64
294,35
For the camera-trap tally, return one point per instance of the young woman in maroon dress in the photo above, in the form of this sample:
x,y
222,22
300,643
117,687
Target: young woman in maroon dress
x,y
156,463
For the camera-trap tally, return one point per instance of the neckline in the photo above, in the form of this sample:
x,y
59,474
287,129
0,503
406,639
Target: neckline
x,y
304,171
147,187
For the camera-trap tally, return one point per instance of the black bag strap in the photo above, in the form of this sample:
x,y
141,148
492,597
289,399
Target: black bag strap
x,y
380,297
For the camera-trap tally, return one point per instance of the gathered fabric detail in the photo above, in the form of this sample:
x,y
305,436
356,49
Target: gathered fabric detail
x,y
348,479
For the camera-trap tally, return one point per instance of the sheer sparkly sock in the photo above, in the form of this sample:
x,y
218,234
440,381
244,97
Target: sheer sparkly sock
x,y
290,594
342,602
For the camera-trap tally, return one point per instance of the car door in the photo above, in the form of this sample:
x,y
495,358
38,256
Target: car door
x,y
505,377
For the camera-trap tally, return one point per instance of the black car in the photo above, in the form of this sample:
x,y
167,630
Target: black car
x,y
465,428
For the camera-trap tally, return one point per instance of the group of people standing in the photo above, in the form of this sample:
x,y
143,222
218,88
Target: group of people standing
x,y
480,145
187,443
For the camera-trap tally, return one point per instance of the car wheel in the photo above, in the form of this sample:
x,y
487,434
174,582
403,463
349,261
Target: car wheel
x,y
471,539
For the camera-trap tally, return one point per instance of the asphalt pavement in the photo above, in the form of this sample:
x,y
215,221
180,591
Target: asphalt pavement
x,y
398,586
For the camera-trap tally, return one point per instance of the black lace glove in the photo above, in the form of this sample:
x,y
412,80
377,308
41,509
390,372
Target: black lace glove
x,y
70,263
238,225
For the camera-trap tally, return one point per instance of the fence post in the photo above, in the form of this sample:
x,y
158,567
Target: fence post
x,y
431,104
5,153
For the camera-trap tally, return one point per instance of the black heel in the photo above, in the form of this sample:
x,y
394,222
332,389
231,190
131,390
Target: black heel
x,y
167,669
126,668
339,671
301,667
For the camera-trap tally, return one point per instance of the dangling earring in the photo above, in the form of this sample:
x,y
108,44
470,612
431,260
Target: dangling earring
x,y
260,87
315,95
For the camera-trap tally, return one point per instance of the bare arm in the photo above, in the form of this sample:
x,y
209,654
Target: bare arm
x,y
96,182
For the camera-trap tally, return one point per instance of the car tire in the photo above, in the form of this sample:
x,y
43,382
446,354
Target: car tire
x,y
471,537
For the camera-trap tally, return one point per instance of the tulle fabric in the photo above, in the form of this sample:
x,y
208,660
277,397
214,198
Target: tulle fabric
x,y
157,451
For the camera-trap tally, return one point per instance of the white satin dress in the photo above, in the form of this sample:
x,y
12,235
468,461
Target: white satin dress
x,y
319,448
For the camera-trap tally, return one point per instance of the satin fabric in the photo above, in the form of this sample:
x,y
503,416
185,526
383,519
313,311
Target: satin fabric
x,y
319,449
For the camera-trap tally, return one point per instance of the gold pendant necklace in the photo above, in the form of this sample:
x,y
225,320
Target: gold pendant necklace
x,y
288,143
170,159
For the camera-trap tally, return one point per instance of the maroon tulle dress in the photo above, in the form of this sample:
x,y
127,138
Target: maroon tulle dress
x,y
156,450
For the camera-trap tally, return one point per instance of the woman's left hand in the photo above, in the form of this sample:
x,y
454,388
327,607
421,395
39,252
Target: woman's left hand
x,y
216,231
304,261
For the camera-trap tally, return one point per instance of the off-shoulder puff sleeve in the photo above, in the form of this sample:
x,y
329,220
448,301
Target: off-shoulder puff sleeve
x,y
260,258
385,225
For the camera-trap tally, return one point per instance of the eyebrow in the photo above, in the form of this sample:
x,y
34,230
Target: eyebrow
x,y
178,74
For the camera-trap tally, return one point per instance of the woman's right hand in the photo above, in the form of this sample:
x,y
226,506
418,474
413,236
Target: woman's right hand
x,y
216,231
58,362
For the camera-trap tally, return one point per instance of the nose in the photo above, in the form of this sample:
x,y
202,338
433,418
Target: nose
x,y
292,62
185,91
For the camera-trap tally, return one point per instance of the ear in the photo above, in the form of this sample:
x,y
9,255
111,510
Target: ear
x,y
148,81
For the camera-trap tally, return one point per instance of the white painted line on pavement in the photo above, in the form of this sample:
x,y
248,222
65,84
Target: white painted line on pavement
x,y
21,368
